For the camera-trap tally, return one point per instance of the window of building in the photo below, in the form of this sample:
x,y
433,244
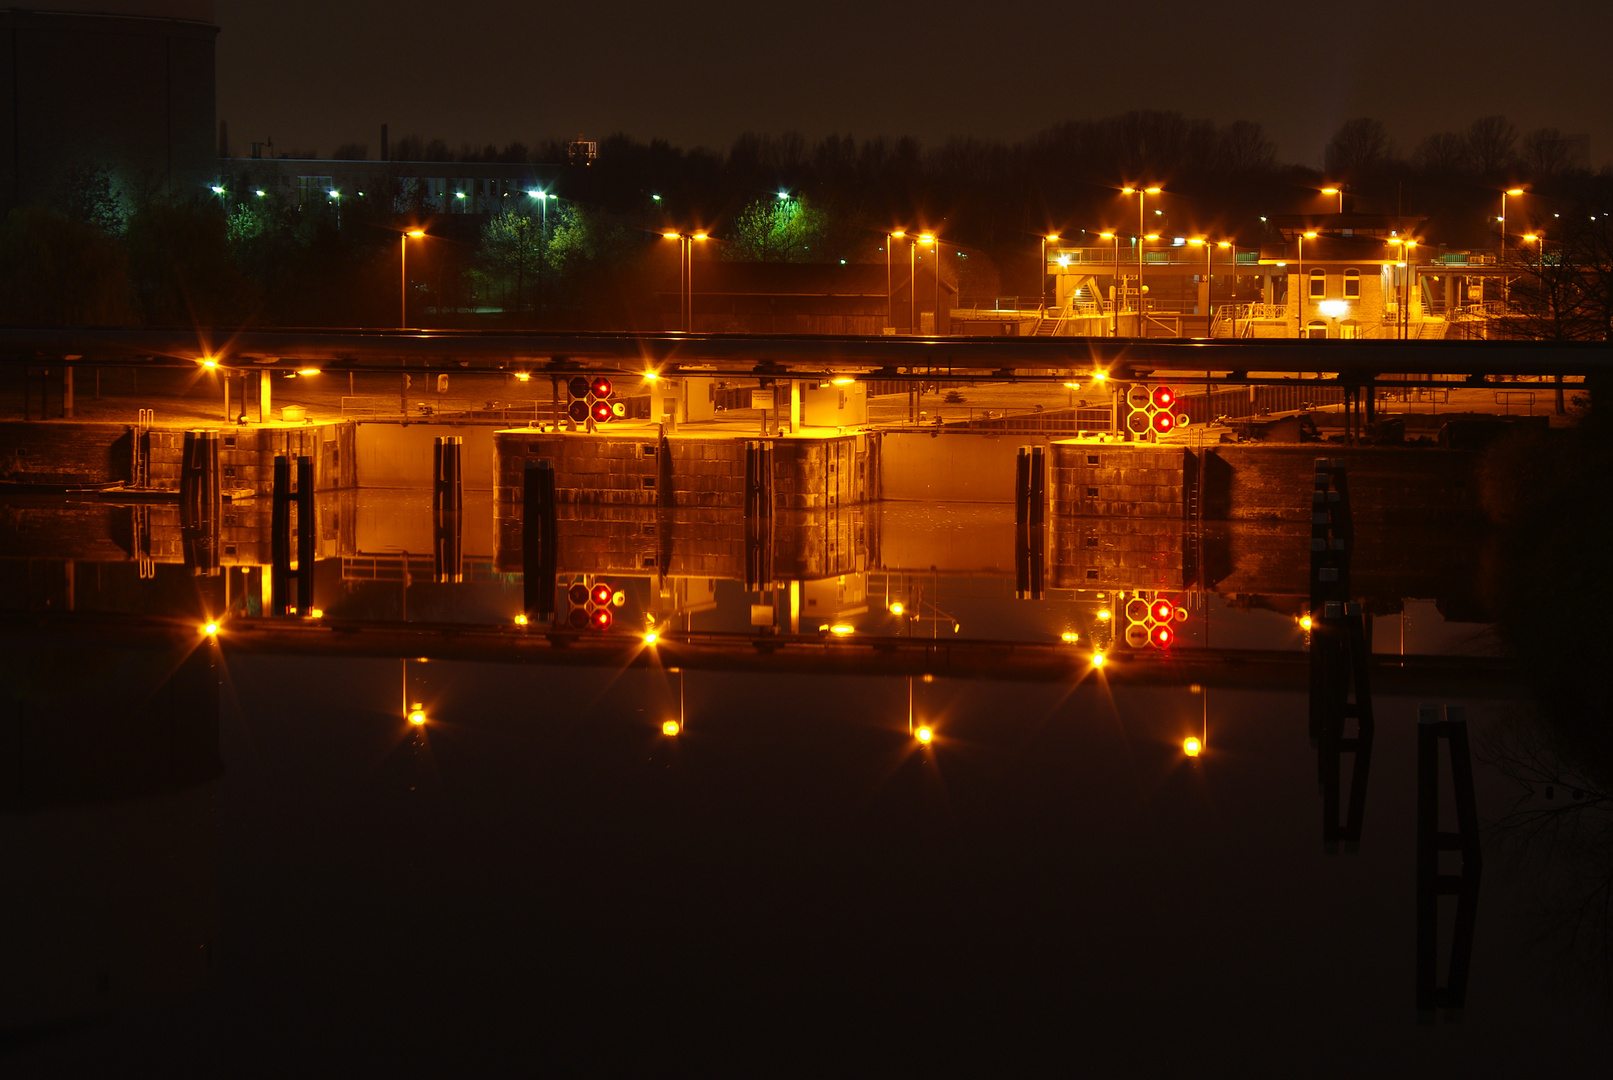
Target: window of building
x,y
1352,284
1318,284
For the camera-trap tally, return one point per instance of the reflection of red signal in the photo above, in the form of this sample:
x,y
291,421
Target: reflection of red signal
x,y
1163,397
1162,636
1164,421
603,411
578,618
602,619
601,387
601,594
1163,611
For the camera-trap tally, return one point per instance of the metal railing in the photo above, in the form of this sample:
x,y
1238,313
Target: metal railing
x,y
1026,306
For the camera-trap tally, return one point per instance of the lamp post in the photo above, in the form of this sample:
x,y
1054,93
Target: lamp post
x,y
403,274
890,306
1304,285
1049,238
1142,199
543,237
685,275
336,197
1116,291
1404,265
912,275
1513,192
1339,191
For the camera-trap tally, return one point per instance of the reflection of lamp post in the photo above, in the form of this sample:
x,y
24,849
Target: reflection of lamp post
x,y
403,273
1142,199
1115,292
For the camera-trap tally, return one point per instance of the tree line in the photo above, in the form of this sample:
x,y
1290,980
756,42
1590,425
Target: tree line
x,y
99,254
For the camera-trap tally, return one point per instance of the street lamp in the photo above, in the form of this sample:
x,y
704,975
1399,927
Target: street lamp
x,y
336,197
403,273
685,275
1513,192
890,306
1304,283
1339,191
927,239
1142,198
543,238
1404,264
1116,293
1049,238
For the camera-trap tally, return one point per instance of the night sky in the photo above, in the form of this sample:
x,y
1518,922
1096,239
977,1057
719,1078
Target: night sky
x,y
312,75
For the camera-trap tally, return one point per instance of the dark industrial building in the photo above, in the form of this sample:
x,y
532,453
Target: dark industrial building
x,y
122,84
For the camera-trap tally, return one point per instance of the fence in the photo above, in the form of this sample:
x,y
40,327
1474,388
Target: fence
x,y
1257,400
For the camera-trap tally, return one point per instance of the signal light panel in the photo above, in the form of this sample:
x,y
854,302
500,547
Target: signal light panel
x,y
591,400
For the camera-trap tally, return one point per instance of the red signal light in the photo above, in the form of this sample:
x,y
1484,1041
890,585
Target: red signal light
x,y
1164,396
601,387
1163,611
578,387
602,619
1164,421
1162,636
603,412
601,594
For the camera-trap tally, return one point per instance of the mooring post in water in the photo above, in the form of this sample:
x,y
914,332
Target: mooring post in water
x,y
1431,841
1022,473
305,534
280,539
447,499
200,501
538,540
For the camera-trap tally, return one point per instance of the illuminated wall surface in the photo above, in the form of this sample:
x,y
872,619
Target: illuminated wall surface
x,y
127,86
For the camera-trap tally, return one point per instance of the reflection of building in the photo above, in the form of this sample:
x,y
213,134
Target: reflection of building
x,y
122,84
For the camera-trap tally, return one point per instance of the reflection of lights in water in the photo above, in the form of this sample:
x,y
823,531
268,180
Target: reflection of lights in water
x,y
1097,659
1192,747
897,608
924,734
1070,637
670,727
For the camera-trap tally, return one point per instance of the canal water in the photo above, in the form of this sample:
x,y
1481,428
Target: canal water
x,y
906,781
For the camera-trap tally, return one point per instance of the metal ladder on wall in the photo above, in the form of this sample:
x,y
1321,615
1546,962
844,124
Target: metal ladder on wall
x,y
140,472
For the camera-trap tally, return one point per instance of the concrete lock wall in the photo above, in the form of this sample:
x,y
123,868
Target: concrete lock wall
x,y
690,541
1126,480
95,455
400,456
950,467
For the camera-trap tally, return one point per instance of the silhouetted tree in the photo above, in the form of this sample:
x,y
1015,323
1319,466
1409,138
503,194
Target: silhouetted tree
x,y
1357,149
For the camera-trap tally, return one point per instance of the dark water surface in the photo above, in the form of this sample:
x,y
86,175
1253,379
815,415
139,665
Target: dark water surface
x,y
287,877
